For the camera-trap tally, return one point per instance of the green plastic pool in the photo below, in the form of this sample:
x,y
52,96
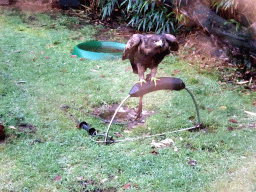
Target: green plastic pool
x,y
97,50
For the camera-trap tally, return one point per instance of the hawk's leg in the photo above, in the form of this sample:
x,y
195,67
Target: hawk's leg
x,y
141,71
153,75
139,111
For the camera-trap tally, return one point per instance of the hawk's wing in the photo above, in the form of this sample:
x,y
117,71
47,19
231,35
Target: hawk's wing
x,y
172,41
131,46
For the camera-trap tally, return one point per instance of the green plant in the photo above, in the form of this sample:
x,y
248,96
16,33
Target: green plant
x,y
145,15
225,4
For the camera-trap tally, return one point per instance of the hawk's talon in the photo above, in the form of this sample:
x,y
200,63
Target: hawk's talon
x,y
154,79
142,81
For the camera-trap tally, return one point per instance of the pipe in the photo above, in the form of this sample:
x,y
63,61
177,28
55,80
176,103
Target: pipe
x,y
86,126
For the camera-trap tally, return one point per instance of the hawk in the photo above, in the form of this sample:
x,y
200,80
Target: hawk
x,y
147,51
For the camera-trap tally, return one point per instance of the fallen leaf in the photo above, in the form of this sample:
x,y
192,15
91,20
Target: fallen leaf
x,y
164,143
47,57
154,152
192,162
191,118
233,120
136,186
230,128
73,56
128,185
102,75
12,127
104,180
250,113
167,141
82,59
57,178
80,178
128,68
222,107
210,109
157,145
127,131
50,46
242,82
93,70
176,149
118,134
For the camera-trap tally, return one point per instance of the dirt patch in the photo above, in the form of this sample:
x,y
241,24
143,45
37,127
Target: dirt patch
x,y
26,128
124,116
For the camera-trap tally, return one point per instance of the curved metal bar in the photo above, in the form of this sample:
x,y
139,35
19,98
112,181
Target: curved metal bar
x,y
114,116
197,110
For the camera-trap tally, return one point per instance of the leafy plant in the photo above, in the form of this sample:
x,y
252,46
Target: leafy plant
x,y
144,15
225,4
236,23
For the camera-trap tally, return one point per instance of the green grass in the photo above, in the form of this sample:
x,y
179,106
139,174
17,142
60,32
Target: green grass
x,y
33,88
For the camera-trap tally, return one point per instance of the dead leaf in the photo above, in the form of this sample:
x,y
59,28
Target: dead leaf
x,y
82,59
210,109
128,185
233,120
80,178
154,152
136,186
167,141
127,131
93,70
50,46
102,75
104,180
242,82
57,178
222,107
47,57
192,162
73,56
191,118
118,134
164,143
128,68
230,128
250,113
157,145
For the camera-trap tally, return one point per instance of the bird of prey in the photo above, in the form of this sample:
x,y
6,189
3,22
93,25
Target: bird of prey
x,y
147,51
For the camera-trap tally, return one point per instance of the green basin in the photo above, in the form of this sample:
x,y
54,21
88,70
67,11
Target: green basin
x,y
96,50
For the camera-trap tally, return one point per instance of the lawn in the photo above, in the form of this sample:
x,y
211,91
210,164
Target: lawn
x,y
38,77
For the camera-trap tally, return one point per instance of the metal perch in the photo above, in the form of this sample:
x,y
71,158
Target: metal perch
x,y
164,83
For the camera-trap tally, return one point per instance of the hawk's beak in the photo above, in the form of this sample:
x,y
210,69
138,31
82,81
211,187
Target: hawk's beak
x,y
159,43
